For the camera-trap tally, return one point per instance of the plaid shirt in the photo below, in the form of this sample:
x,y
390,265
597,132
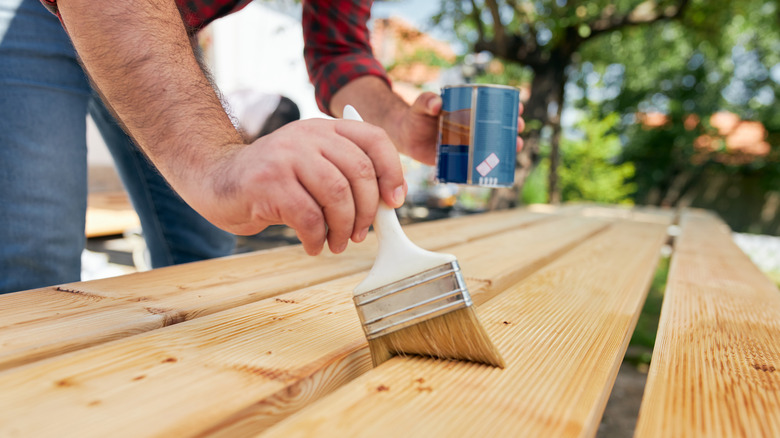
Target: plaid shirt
x,y
337,48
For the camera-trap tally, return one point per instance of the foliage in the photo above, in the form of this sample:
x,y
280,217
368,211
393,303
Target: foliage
x,y
647,325
546,36
506,73
546,23
679,58
535,187
588,171
427,57
721,56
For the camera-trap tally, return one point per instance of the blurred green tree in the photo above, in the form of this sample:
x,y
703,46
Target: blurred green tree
x,y
677,58
546,36
589,169
667,81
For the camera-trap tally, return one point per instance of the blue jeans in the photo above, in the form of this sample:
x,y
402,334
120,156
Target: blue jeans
x,y
44,99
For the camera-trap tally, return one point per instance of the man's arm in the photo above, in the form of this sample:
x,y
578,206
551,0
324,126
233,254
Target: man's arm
x,y
344,71
138,55
413,129
323,178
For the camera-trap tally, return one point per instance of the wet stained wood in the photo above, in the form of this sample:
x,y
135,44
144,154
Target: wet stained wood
x,y
49,321
247,367
562,331
715,370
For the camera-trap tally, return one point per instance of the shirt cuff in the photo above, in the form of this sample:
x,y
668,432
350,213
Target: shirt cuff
x,y
339,71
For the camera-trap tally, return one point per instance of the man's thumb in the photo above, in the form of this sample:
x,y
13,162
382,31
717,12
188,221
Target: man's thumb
x,y
427,103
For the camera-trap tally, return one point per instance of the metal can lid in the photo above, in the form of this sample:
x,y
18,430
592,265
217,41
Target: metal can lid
x,y
506,87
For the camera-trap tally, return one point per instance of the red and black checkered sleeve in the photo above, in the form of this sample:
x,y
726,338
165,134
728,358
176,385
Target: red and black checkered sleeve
x,y
336,46
51,5
198,13
195,13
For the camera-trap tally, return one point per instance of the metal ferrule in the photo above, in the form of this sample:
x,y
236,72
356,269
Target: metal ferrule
x,y
412,300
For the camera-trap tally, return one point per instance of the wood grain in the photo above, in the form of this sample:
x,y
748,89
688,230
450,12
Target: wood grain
x,y
562,331
32,323
540,245
715,370
44,322
241,369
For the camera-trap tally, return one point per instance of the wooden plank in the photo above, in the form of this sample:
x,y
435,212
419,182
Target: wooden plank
x,y
47,322
636,214
32,322
715,370
655,215
562,331
226,282
540,246
245,367
109,213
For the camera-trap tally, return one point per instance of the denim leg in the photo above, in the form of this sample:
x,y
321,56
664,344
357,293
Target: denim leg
x,y
43,155
173,231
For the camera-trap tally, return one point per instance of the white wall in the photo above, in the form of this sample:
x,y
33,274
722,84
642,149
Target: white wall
x,y
262,49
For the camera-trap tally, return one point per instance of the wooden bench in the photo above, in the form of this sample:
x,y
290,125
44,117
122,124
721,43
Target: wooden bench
x,y
269,343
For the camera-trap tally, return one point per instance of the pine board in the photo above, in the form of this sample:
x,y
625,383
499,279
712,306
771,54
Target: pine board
x,y
109,213
32,323
44,322
540,245
563,332
636,214
715,370
244,367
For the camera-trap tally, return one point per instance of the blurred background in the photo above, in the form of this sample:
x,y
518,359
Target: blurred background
x,y
669,103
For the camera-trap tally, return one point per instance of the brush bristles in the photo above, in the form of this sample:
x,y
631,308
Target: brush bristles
x,y
455,335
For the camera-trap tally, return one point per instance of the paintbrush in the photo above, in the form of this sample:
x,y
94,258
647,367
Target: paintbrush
x,y
415,301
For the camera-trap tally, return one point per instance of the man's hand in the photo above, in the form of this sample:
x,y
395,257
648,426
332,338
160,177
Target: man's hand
x,y
323,178
419,128
413,129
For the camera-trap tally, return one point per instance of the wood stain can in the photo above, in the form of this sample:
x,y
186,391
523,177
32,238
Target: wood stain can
x,y
477,142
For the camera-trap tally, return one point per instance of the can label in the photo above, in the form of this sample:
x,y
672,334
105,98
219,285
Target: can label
x,y
477,142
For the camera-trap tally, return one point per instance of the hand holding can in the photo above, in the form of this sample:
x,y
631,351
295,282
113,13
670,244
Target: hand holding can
x,y
477,143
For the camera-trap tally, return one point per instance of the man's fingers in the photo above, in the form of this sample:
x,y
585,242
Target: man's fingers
x,y
323,179
358,168
332,190
520,126
304,215
427,103
387,164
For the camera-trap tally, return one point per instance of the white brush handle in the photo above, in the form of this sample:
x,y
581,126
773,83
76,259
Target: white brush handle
x,y
397,258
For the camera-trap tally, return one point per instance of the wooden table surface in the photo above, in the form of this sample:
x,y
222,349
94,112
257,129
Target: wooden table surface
x,y
269,343
109,213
